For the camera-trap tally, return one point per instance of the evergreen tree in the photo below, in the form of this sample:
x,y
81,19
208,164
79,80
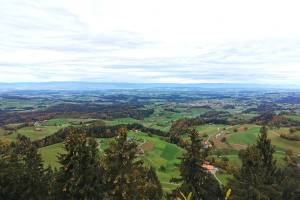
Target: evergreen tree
x,y
22,174
194,177
154,188
290,184
11,170
126,176
259,177
35,181
80,176
263,144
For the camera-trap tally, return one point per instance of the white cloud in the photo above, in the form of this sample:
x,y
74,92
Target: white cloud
x,y
150,41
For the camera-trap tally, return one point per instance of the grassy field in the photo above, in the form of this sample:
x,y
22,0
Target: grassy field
x,y
161,119
244,137
211,130
162,156
294,117
33,133
121,121
50,153
284,144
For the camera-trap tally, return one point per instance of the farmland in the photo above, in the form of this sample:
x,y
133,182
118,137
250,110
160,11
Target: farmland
x,y
230,123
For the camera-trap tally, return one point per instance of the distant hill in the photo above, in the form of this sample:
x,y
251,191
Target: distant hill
x,y
116,86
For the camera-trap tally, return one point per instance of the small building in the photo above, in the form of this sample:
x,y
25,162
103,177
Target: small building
x,y
37,123
210,168
207,144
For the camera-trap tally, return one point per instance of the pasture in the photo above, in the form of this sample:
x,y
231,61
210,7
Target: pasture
x,y
34,133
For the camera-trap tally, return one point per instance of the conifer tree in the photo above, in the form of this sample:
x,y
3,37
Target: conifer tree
x,y
11,169
80,176
22,174
126,176
195,179
290,184
263,144
154,188
35,181
259,177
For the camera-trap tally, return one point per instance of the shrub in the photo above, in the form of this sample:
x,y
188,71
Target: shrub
x,y
162,168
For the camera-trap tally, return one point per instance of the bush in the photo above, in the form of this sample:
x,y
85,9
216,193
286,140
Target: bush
x,y
225,159
290,137
162,168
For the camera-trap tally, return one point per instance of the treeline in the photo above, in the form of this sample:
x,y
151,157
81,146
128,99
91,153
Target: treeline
x,y
274,120
178,128
84,173
181,126
264,107
78,110
96,131
17,126
292,134
119,173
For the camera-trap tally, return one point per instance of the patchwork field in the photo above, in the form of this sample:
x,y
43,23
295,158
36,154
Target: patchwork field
x,y
162,155
32,132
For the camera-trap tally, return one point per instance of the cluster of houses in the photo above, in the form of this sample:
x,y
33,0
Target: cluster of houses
x,y
37,125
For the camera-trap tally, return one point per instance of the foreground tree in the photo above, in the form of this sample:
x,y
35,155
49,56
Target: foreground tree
x,y
22,174
126,175
11,170
195,179
259,177
290,184
34,177
80,176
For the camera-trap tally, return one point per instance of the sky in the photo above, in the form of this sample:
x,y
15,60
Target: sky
x,y
150,41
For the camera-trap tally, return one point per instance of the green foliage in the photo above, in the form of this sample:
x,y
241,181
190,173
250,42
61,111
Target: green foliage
x,y
11,171
259,177
35,178
80,175
194,178
126,176
290,184
22,176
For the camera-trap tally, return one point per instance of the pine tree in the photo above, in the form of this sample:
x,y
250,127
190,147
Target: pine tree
x,y
80,176
33,178
263,144
194,177
290,184
11,170
126,176
22,174
259,177
154,188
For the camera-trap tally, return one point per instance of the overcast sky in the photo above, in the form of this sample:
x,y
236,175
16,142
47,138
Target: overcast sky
x,y
210,41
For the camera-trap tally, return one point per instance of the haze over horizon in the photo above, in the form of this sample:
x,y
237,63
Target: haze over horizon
x,y
138,41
